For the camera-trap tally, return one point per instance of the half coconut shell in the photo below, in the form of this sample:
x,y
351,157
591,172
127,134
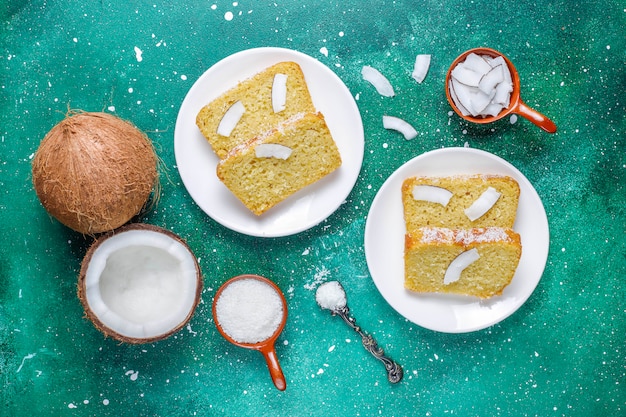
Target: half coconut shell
x,y
139,284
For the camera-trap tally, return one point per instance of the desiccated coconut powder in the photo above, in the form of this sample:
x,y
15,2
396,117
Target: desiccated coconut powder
x,y
330,295
249,310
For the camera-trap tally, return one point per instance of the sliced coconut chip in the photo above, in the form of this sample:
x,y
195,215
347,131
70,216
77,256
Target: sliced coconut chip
x,y
480,101
399,125
498,60
420,69
279,93
231,118
493,109
503,94
482,204
432,194
272,150
491,79
378,80
477,63
456,267
463,94
466,76
455,98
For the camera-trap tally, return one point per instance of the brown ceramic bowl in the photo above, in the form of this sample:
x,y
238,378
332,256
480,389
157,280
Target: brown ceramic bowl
x,y
266,347
516,105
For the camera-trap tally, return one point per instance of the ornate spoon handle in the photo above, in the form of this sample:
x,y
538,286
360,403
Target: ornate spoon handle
x,y
394,371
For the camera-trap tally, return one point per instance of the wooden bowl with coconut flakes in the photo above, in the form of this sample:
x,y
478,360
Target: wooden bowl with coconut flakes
x,y
139,284
483,85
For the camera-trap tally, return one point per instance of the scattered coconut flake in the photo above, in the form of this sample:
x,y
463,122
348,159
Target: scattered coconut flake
x,y
272,150
482,204
378,80
230,119
420,69
465,259
279,92
513,119
397,124
432,194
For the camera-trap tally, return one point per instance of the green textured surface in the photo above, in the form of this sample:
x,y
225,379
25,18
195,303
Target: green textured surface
x,y
561,354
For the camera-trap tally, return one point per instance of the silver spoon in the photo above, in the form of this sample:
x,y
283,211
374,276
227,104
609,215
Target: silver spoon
x,y
331,296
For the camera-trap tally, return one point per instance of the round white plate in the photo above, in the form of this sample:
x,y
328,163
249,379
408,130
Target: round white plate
x,y
197,162
384,245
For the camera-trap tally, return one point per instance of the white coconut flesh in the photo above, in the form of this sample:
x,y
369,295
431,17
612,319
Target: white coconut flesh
x,y
272,150
456,267
399,125
420,69
279,93
231,119
483,204
141,284
432,194
378,80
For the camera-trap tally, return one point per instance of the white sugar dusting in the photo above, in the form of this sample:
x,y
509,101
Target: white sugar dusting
x,y
320,276
480,235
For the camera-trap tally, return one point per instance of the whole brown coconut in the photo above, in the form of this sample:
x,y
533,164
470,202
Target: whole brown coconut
x,y
94,171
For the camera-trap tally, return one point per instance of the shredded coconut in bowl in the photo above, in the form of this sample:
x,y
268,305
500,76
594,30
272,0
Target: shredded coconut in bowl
x,y
249,310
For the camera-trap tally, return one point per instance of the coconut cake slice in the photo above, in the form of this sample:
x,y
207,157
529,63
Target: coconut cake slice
x,y
480,262
461,201
274,165
254,106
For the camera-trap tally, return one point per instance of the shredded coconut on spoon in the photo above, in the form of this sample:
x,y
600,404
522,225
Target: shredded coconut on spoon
x,y
331,296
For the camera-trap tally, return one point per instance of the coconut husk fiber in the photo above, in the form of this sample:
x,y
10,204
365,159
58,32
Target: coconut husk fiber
x,y
94,171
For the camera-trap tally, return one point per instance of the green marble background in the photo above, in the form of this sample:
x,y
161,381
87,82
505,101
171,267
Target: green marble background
x,y
561,354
